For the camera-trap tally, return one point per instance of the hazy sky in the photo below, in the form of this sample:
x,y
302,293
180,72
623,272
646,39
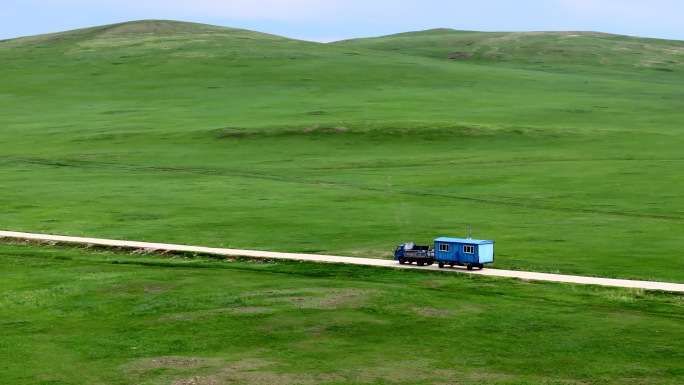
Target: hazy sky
x,y
329,20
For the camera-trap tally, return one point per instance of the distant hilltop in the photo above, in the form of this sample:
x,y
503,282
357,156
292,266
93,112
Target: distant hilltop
x,y
529,50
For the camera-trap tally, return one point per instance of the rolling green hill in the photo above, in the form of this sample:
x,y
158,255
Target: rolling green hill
x,y
185,133
573,52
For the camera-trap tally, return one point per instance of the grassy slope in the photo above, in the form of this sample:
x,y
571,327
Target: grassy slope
x,y
88,317
184,133
574,52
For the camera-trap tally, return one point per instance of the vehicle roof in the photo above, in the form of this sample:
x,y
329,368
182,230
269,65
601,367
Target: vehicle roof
x,y
467,241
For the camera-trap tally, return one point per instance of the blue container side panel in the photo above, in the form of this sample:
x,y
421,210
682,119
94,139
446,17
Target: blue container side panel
x,y
444,255
468,258
486,253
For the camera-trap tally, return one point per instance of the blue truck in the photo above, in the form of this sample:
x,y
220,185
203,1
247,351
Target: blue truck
x,y
410,252
448,251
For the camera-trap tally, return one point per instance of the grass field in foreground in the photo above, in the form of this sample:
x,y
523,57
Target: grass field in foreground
x,y
95,317
183,133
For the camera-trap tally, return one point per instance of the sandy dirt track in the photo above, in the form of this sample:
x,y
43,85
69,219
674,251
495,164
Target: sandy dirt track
x,y
650,285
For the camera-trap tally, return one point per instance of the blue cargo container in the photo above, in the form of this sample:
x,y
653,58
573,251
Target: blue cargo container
x,y
463,251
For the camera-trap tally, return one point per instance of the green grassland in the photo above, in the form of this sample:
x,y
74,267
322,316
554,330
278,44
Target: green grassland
x,y
78,316
185,133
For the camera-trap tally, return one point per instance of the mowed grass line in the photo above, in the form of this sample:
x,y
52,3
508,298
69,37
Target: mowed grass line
x,y
79,316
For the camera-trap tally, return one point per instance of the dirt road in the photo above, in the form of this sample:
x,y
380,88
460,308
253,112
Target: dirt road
x,y
666,286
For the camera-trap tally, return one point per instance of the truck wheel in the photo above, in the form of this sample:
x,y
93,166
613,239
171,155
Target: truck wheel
x,y
402,261
451,264
470,266
430,262
441,264
420,263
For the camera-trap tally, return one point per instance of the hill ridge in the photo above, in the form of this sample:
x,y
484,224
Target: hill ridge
x,y
154,28
541,50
